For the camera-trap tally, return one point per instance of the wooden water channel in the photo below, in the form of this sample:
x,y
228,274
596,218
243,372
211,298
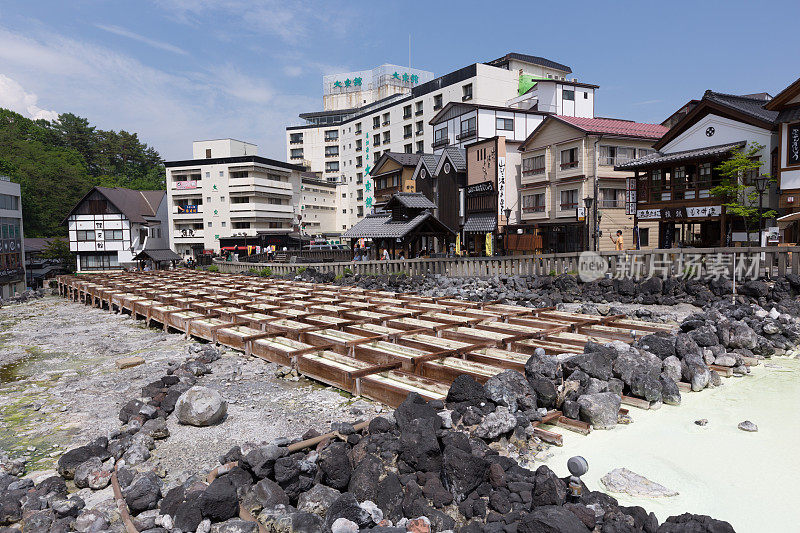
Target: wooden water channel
x,y
381,345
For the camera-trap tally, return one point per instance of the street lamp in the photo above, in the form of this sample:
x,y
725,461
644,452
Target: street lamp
x,y
588,203
507,212
761,186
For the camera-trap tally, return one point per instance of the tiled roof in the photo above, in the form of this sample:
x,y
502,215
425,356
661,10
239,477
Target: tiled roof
x,y
611,126
380,226
481,223
412,200
458,157
752,105
789,115
536,60
673,157
407,160
158,255
136,205
429,160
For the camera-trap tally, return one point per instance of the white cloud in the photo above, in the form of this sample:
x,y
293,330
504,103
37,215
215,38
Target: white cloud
x,y
142,39
15,98
293,71
167,109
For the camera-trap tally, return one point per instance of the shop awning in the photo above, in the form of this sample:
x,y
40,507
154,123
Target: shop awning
x,y
787,219
481,223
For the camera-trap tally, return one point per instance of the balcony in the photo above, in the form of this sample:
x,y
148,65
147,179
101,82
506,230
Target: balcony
x,y
533,171
407,136
358,132
441,142
188,211
331,139
418,132
296,141
252,209
466,134
533,209
332,154
296,156
240,185
188,233
385,123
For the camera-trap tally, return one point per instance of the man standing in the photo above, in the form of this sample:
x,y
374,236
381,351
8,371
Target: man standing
x,y
618,242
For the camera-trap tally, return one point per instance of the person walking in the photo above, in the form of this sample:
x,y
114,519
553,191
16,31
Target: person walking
x,y
619,242
385,255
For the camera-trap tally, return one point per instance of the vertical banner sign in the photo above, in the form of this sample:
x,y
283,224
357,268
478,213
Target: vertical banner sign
x,y
489,242
501,186
458,244
793,145
630,197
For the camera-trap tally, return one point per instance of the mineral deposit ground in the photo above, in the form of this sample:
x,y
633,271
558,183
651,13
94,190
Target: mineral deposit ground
x,y
69,416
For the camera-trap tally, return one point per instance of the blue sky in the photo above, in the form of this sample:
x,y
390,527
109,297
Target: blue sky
x,y
179,70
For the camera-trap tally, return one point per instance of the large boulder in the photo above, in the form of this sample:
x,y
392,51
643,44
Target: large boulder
x,y
510,388
670,393
91,474
694,523
466,389
317,500
661,345
219,501
646,386
600,410
463,471
632,361
334,465
548,488
71,460
419,447
143,493
551,519
497,423
201,406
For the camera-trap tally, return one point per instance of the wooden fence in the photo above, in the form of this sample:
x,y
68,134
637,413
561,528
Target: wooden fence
x,y
746,262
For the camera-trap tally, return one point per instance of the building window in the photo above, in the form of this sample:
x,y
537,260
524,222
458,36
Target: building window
x,y
332,166
360,211
208,153
418,111
240,225
376,122
585,95
407,111
611,198
505,124
358,128
407,131
85,235
221,173
113,234
569,199
385,137
644,152
616,155
358,145
386,119
533,203
466,92
467,128
209,224
296,153
533,165
331,135
440,137
223,223
408,148
359,178
569,158
359,161
568,94
644,236
295,138
376,139
221,198
437,102
377,156
331,151
420,147
419,128
99,261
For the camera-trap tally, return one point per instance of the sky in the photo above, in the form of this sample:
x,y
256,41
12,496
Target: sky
x,y
175,71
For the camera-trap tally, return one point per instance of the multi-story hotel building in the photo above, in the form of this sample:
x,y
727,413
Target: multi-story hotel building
x,y
12,260
343,144
225,191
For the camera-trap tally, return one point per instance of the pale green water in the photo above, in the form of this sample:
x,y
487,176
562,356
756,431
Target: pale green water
x,y
748,479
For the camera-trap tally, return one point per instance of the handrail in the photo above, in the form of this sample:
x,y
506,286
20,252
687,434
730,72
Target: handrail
x,y
772,261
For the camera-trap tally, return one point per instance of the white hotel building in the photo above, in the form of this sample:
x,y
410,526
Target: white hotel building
x,y
344,140
227,191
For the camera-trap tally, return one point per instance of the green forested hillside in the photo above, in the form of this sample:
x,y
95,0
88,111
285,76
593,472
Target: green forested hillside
x,y
57,162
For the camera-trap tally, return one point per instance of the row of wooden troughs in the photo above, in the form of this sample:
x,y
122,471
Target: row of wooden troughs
x,y
381,345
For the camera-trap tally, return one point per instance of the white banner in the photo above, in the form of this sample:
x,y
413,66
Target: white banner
x,y
183,185
501,186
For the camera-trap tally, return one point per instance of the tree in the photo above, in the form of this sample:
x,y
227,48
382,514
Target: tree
x,y
58,249
737,187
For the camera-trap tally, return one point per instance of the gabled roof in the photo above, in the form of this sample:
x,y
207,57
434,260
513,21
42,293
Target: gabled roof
x,y
137,206
603,126
467,107
783,97
456,156
401,158
748,109
411,200
536,60
674,157
428,162
381,226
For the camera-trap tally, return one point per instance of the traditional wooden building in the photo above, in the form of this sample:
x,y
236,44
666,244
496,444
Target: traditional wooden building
x,y
406,225
442,178
787,166
393,173
673,185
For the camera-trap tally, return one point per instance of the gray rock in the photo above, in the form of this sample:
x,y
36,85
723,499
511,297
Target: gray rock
x,y
625,481
91,474
495,424
646,386
670,393
631,361
317,500
725,360
234,525
747,426
672,368
510,388
136,455
201,406
343,525
143,493
91,521
701,422
600,409
155,428
699,376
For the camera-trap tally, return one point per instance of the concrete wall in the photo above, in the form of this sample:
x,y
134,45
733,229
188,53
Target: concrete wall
x,y
222,148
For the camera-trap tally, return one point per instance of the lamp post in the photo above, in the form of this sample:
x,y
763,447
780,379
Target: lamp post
x,y
507,212
761,186
587,202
